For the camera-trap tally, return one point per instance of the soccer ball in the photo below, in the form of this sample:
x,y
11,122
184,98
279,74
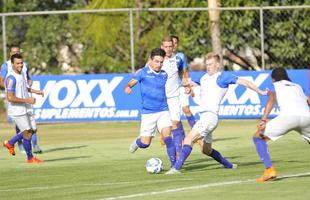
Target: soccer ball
x,y
154,165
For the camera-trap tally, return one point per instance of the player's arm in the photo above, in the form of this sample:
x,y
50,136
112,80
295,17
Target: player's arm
x,y
268,107
3,75
1,82
29,81
308,101
38,92
13,99
251,85
129,85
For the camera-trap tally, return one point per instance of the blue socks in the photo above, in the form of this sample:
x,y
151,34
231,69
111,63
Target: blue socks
x,y
15,138
178,137
141,145
219,158
170,150
262,151
27,147
186,151
191,120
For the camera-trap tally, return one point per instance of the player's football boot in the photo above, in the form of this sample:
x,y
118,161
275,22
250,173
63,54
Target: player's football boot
x,y
133,147
7,145
37,150
34,160
269,175
172,171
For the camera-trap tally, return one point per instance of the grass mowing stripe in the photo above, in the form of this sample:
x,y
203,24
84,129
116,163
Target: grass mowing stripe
x,y
91,185
198,187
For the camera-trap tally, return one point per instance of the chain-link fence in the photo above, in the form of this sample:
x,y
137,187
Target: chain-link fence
x,y
119,40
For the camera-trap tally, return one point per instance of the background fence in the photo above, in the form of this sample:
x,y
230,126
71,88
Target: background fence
x,y
119,40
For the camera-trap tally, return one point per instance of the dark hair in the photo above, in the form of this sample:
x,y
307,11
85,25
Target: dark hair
x,y
279,74
175,37
17,55
158,52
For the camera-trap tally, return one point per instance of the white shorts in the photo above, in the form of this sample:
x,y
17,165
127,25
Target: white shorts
x,y
25,122
174,108
206,125
281,125
184,98
154,121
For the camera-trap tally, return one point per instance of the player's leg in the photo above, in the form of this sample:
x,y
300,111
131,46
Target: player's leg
x,y
147,131
177,130
24,124
207,149
189,140
189,116
274,129
164,126
184,102
34,139
20,140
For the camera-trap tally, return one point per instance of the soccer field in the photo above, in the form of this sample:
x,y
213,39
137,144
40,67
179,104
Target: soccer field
x,y
91,161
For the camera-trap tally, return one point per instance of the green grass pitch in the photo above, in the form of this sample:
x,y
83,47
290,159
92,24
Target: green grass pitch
x,y
91,161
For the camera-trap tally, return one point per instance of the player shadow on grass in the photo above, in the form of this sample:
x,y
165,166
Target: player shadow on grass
x,y
224,139
66,158
64,148
294,176
204,164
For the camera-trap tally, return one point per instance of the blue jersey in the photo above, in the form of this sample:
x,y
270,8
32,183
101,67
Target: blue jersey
x,y
152,88
181,60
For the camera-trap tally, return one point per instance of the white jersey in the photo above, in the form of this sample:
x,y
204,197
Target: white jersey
x,y
291,99
171,66
17,84
212,90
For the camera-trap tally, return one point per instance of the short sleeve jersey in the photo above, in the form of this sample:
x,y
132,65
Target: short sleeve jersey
x,y
172,66
290,98
152,89
16,83
212,90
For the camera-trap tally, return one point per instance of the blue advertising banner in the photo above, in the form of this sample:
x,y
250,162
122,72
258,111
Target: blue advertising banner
x,y
101,97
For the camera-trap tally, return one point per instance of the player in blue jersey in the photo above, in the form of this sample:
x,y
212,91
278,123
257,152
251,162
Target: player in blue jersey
x,y
19,101
155,115
294,114
177,77
184,98
5,69
213,86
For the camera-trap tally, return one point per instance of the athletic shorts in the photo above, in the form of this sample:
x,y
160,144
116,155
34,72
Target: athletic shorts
x,y
174,108
282,124
150,123
25,122
206,125
184,98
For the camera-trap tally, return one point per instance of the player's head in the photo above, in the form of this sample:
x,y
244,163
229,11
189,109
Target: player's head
x,y
175,40
167,45
157,59
279,74
14,50
212,62
17,62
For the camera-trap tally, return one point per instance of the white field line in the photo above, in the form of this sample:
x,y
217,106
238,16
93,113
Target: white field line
x,y
90,185
196,187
